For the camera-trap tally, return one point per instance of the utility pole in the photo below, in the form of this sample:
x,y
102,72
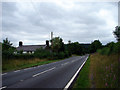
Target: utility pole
x,y
51,35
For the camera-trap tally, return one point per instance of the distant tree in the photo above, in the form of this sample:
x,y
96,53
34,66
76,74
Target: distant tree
x,y
95,45
62,47
75,48
57,44
117,33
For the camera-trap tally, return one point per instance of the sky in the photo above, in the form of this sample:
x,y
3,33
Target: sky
x,y
83,22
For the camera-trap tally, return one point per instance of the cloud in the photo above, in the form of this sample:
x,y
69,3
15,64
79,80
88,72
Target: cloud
x,y
84,22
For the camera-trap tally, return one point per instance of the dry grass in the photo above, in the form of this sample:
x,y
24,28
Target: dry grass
x,y
103,71
9,65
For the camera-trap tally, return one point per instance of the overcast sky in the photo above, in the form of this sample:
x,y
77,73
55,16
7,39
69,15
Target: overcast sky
x,y
83,22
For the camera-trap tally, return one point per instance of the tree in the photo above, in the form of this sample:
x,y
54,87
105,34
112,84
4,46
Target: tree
x,y
7,49
75,48
95,45
117,33
57,44
6,44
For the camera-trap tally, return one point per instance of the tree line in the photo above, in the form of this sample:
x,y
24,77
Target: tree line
x,y
59,50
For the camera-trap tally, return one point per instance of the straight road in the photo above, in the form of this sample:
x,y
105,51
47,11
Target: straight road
x,y
53,75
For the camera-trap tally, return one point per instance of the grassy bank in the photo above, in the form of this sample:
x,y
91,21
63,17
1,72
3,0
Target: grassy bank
x,y
83,78
10,65
100,71
104,71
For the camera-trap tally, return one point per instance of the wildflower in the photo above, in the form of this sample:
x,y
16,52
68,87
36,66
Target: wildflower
x,y
106,67
114,77
107,75
106,84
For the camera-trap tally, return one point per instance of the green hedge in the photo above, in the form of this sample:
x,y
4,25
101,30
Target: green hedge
x,y
39,53
110,48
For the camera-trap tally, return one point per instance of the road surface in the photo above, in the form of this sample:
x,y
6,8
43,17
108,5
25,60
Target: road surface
x,y
53,75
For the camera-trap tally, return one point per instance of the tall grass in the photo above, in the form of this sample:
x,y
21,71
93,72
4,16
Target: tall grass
x,y
104,71
14,64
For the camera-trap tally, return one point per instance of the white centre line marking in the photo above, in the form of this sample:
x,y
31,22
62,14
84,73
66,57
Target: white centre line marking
x,y
65,63
3,87
4,74
21,80
17,71
43,72
27,68
73,61
69,83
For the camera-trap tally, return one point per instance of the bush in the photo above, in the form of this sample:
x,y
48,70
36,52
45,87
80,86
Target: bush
x,y
67,54
7,55
24,56
111,48
61,55
104,51
42,53
116,48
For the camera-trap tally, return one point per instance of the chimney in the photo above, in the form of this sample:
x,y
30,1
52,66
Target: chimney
x,y
20,43
47,43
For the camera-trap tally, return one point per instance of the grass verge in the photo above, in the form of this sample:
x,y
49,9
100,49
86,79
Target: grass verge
x,y
83,78
99,71
11,65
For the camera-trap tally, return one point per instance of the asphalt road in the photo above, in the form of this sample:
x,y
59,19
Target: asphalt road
x,y
53,75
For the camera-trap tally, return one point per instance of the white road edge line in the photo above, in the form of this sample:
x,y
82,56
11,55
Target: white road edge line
x,y
3,87
21,80
43,72
4,74
69,83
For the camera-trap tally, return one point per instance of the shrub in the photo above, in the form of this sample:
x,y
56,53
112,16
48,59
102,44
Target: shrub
x,y
104,51
23,56
61,55
42,53
67,54
116,48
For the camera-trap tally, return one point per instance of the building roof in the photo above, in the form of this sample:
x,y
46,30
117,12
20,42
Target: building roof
x,y
30,47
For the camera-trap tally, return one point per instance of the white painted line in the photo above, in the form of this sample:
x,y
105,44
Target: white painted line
x,y
21,80
17,71
69,83
4,74
27,68
73,61
43,72
65,63
3,87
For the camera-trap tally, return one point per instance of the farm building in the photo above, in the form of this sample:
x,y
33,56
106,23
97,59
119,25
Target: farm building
x,y
31,48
